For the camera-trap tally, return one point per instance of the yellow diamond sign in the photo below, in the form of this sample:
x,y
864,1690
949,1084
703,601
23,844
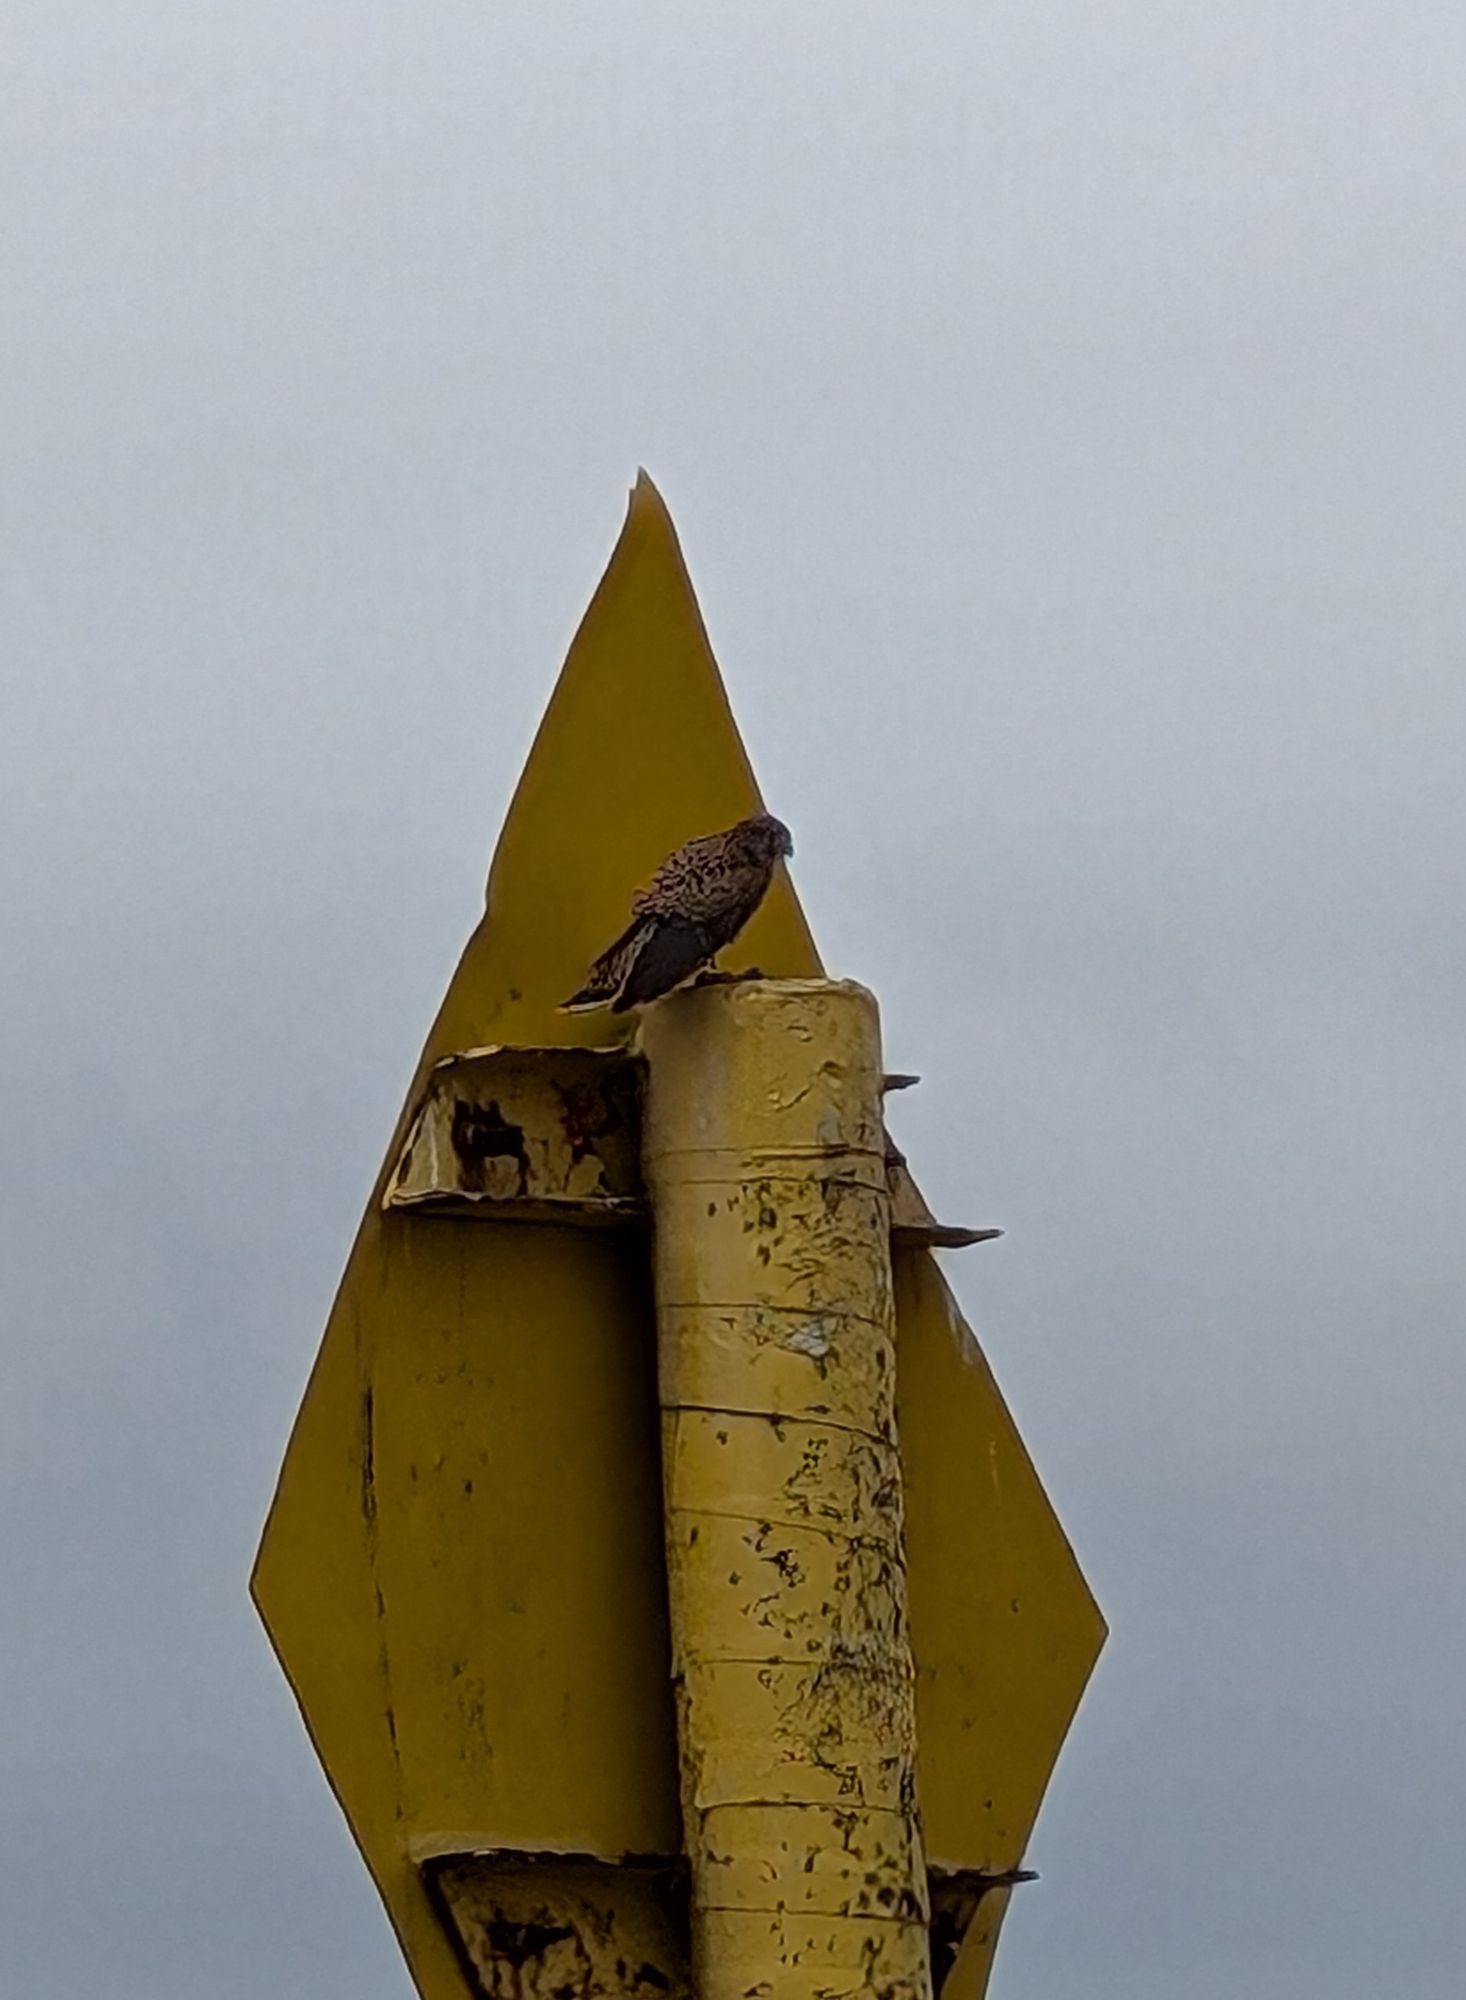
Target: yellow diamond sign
x,y
462,1571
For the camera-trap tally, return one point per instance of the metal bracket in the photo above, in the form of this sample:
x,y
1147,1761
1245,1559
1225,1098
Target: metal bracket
x,y
554,1135
539,1926
526,1135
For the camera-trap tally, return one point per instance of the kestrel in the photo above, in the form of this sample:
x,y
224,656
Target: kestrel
x,y
699,900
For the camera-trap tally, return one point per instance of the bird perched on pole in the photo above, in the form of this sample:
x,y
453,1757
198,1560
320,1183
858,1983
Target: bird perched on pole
x,y
699,900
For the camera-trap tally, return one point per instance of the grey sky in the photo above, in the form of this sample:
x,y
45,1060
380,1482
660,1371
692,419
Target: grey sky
x,y
1062,409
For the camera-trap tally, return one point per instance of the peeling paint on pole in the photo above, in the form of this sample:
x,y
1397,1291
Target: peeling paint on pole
x,y
764,1152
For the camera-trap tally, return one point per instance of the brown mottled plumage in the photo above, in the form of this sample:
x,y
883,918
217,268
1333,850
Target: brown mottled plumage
x,y
699,900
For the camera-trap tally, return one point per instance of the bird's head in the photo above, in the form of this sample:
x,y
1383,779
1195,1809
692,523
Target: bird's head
x,y
770,836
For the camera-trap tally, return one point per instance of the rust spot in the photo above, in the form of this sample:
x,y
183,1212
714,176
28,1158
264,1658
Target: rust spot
x,y
481,1133
516,1943
368,1462
786,1562
586,1116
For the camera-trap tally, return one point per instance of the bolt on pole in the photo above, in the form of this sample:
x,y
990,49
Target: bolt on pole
x,y
765,1158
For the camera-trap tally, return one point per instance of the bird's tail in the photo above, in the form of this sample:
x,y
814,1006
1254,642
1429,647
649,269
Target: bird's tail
x,y
603,981
668,952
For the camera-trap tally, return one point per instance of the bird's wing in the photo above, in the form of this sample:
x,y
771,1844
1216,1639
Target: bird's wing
x,y
670,949
675,877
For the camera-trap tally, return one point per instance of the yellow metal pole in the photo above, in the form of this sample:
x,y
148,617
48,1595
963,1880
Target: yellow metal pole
x,y
764,1154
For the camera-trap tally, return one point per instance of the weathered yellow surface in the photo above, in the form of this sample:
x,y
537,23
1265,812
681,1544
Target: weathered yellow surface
x,y
462,1569
764,1153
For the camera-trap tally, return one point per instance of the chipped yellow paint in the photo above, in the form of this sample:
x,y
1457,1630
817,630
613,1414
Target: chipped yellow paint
x,y
462,1568
765,1157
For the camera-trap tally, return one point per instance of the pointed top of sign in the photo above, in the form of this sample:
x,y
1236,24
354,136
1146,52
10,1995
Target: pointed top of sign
x,y
637,752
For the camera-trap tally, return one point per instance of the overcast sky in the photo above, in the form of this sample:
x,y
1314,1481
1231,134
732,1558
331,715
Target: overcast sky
x,y
1062,409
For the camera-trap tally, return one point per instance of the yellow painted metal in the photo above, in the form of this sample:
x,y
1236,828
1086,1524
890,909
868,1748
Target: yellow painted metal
x,y
462,1570
765,1156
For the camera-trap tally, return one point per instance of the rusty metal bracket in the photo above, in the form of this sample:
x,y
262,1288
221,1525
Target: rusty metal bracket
x,y
532,1926
541,1925
554,1135
956,1898
912,1221
526,1135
